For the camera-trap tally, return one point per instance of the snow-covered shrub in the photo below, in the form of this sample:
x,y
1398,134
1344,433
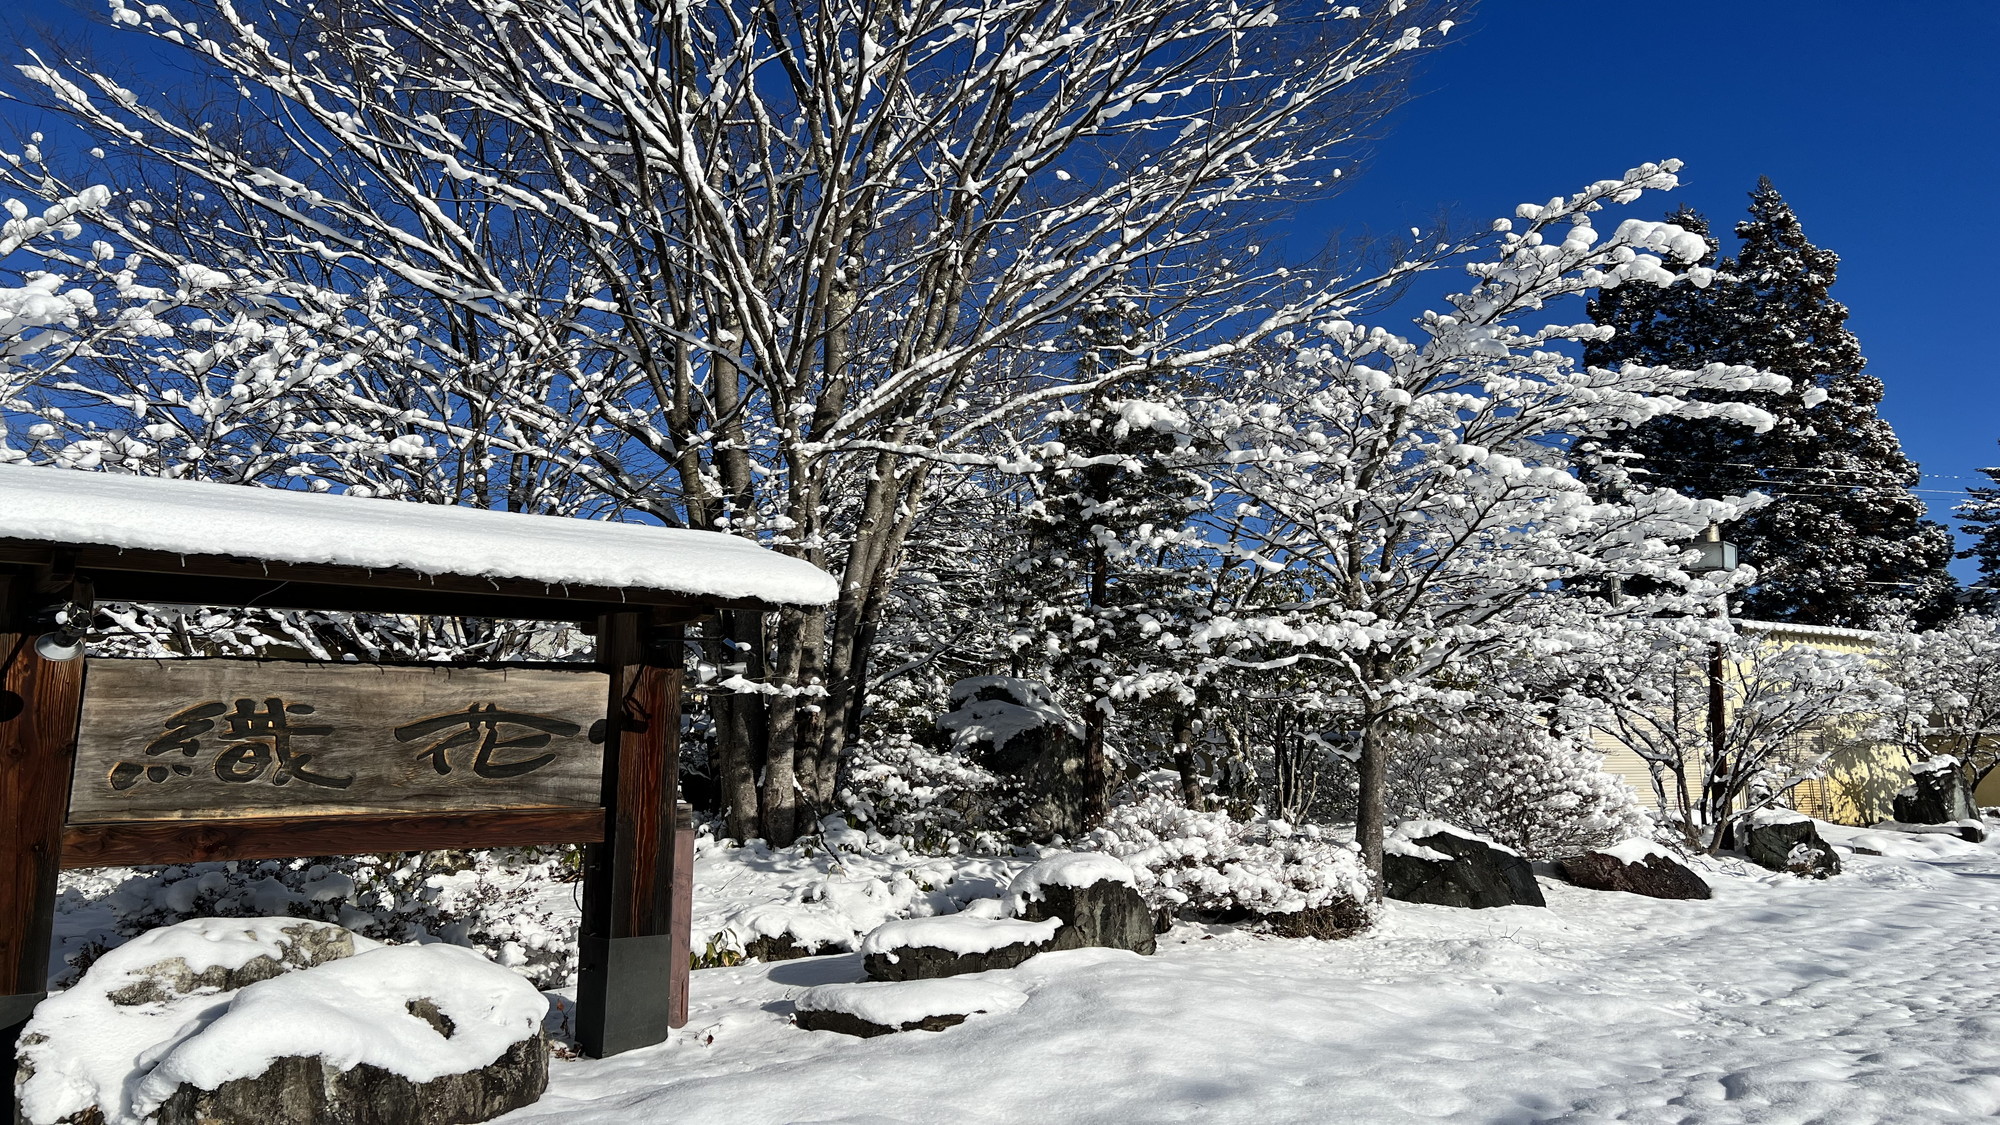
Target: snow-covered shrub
x,y
1210,863
823,893
1540,792
515,906
899,786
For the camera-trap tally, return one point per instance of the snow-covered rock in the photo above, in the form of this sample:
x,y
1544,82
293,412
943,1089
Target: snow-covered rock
x,y
84,1045
1093,894
878,1008
220,1021
1473,872
1019,730
1638,867
1782,840
953,945
1938,794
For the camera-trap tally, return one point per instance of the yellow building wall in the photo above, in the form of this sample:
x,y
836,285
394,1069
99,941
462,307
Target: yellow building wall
x,y
1988,794
1862,778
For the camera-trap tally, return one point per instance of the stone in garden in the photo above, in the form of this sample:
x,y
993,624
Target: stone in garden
x,y
952,945
400,1035
1973,831
409,1035
1092,893
81,1048
1937,794
1638,867
1786,841
1431,862
880,1008
1017,729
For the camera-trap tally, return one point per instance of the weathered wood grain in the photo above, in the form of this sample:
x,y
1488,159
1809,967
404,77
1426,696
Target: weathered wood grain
x,y
196,841
680,923
200,739
38,708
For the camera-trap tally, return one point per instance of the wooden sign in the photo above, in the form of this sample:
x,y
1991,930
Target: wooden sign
x,y
211,739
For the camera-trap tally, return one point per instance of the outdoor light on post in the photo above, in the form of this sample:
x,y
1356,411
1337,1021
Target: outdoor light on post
x,y
1717,557
67,625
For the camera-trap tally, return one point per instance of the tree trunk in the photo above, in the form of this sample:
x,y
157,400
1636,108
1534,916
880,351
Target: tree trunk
x,y
1191,794
780,791
739,722
1371,812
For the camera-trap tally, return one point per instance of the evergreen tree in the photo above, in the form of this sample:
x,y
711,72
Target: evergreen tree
x,y
1981,516
1100,579
1845,541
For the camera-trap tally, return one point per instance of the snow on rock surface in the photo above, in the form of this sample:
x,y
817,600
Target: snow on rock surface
x,y
1413,830
195,517
1070,869
358,1011
1638,850
897,1003
958,933
84,1044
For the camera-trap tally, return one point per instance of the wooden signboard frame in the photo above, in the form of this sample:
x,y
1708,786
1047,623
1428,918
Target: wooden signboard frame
x,y
638,838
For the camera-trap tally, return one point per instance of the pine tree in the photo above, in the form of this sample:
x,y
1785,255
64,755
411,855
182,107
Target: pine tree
x,y
1981,516
1845,541
1099,578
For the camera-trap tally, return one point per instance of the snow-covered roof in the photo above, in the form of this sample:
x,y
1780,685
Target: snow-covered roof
x,y
274,525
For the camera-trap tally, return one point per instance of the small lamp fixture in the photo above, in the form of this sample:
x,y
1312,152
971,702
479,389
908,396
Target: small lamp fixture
x,y
64,640
1716,554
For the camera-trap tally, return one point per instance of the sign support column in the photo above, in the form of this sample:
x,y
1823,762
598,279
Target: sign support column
x,y
39,701
626,972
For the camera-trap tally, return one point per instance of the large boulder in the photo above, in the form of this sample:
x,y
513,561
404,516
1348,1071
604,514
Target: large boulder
x,y
1638,867
1432,862
1092,894
1937,794
1018,730
277,1026
877,1008
83,1046
952,945
1787,841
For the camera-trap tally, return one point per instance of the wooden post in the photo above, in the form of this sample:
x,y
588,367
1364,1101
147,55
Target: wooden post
x,y
626,965
39,705
681,909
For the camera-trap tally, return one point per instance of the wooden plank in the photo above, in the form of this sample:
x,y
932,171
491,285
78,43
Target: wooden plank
x,y
196,841
38,711
681,924
208,739
38,714
648,747
108,561
625,969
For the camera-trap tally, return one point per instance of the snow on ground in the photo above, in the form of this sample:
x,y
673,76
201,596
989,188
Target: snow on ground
x,y
1865,998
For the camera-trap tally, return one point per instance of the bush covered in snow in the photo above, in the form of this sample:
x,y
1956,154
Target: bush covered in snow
x,y
1540,792
1208,863
936,797
514,906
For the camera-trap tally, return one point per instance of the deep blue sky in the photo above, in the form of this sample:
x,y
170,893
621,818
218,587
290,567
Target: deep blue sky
x,y
1880,123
